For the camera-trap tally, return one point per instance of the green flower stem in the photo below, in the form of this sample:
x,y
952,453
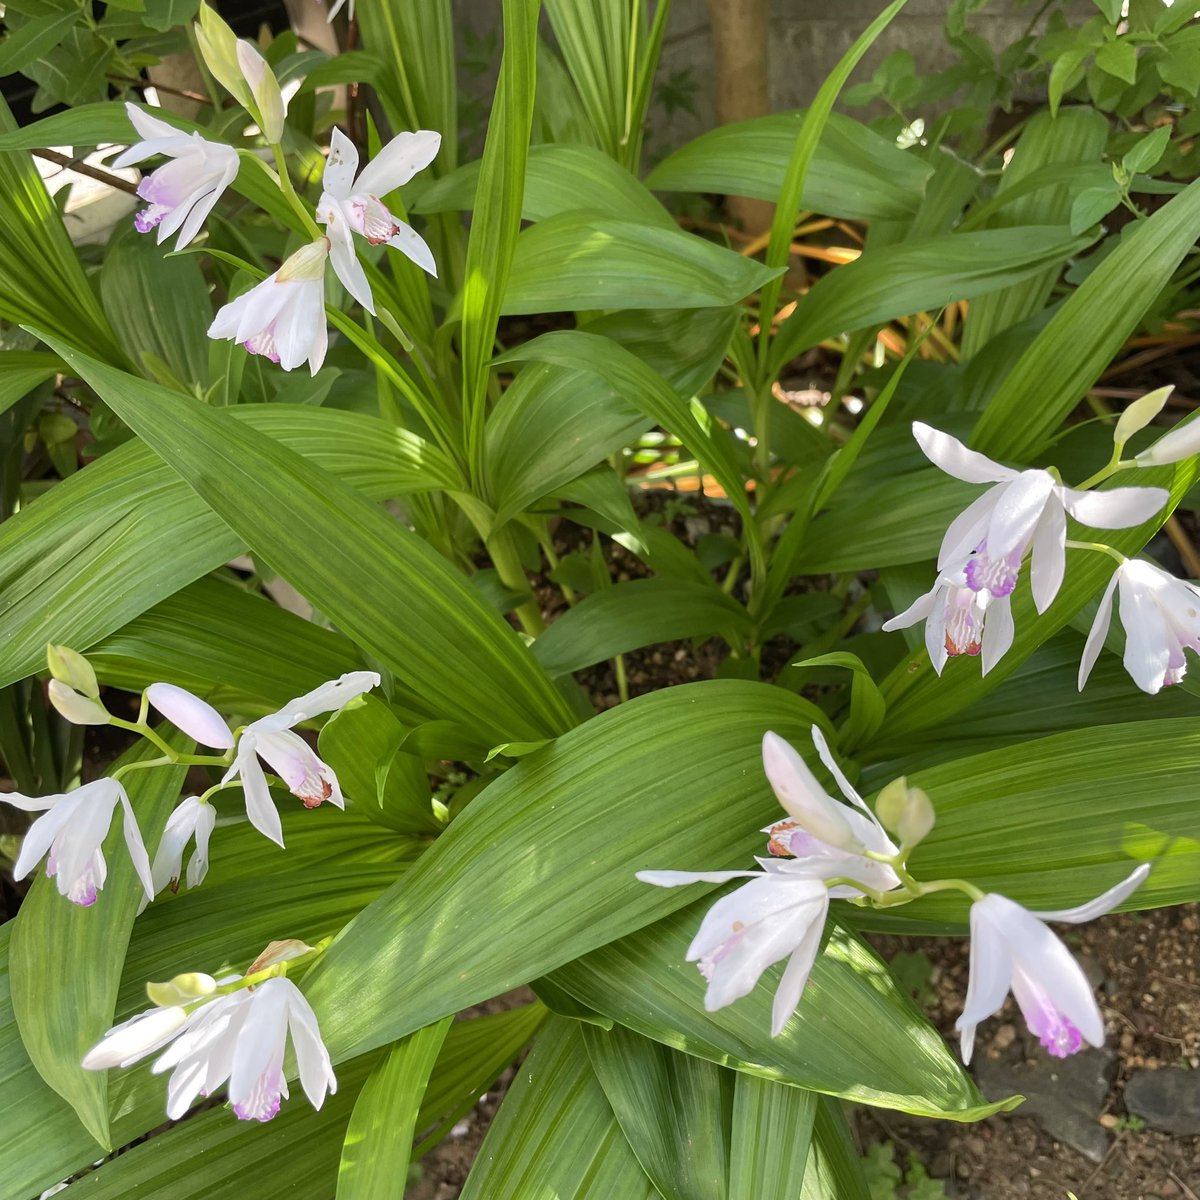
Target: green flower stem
x,y
285,186
1072,544
1114,464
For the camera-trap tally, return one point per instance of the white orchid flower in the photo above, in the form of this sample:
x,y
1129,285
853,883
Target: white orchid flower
x,y
132,1040
960,621
192,820
350,204
781,912
1161,615
1012,948
283,317
70,833
271,738
241,1037
1179,443
989,538
182,193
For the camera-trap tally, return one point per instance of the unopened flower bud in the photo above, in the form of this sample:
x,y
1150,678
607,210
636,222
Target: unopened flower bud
x,y
904,811
73,669
277,952
1140,413
308,263
219,47
182,989
1182,442
264,88
78,709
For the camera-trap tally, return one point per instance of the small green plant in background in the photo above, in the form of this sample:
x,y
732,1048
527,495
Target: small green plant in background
x,y
887,1180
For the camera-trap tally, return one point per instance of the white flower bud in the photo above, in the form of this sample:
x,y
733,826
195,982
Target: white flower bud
x,y
1140,413
73,669
182,989
219,47
906,812
79,710
1182,442
264,87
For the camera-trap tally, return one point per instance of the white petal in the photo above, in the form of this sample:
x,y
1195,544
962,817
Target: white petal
x,y
1117,508
1017,512
198,866
260,808
680,878
134,1039
831,765
999,631
935,632
149,127
955,459
398,162
802,796
967,530
1049,562
1098,631
137,848
1102,904
1148,638
335,694
413,246
990,971
297,764
312,1059
1182,442
795,975
918,610
178,831
76,845
195,717
43,832
340,166
258,1055
343,256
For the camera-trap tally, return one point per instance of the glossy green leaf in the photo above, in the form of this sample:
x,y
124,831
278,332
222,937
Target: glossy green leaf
x,y
431,945
555,1134
34,38
158,305
770,1139
918,276
834,1170
635,614
1085,334
379,1138
21,371
71,574
674,1109
555,422
575,261
559,178
854,173
65,960
1075,138
386,588
857,1034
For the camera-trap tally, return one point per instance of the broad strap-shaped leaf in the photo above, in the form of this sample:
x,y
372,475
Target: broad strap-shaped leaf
x,y
675,1110
555,1134
578,261
856,1034
770,1138
65,960
921,275
1084,335
854,173
834,1170
21,371
71,572
567,824
630,615
378,1142
384,587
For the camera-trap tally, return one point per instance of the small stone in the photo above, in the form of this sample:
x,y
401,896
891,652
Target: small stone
x,y
1126,1042
1168,1190
1109,1120
1005,1036
1065,1096
1168,1099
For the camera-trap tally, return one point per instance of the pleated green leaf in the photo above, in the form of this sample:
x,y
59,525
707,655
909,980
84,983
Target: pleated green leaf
x,y
770,1138
855,173
555,1134
675,1110
1058,820
567,824
70,571
559,178
1085,334
378,1142
856,1034
635,614
385,587
65,960
575,261
917,276
21,371
834,1170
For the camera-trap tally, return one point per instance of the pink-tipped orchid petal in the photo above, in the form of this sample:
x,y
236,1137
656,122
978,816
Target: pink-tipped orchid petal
x,y
297,764
955,459
193,716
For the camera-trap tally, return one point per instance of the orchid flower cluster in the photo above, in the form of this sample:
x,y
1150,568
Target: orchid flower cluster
x,y
230,1030
73,825
825,850
283,317
968,610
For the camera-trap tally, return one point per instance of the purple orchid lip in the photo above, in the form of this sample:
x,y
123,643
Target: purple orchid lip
x,y
996,575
